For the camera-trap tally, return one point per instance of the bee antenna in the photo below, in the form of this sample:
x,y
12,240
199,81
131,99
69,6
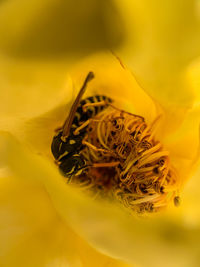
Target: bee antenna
x,y
89,77
69,120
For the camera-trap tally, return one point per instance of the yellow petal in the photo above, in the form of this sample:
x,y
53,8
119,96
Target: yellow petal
x,y
159,238
193,72
57,28
113,79
32,233
31,88
162,38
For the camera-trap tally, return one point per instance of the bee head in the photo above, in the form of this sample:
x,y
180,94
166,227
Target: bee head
x,y
62,148
73,165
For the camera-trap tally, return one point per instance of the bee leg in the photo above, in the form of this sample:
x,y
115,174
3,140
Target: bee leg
x,y
97,104
123,111
96,148
105,164
103,103
85,124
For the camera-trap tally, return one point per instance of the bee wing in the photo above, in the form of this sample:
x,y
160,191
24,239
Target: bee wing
x,y
68,122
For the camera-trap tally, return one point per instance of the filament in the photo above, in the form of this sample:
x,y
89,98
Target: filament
x,y
129,164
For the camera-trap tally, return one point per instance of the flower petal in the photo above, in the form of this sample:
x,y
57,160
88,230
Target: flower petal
x,y
31,88
32,233
162,38
113,79
52,29
141,241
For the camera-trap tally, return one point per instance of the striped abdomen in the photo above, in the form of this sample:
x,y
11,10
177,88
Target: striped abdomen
x,y
92,111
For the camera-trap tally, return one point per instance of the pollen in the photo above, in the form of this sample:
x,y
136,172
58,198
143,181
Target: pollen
x,y
128,164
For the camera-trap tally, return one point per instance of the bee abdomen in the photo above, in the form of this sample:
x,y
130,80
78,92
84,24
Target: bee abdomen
x,y
100,98
91,111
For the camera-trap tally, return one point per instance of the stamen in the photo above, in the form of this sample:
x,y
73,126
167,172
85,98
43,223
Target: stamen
x,y
128,163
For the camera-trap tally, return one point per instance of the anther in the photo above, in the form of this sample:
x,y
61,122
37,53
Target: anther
x,y
141,177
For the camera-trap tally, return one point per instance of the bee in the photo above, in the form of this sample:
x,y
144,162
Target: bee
x,y
68,142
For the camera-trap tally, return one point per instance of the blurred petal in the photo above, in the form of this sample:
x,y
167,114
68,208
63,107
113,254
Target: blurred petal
x,y
146,241
191,199
52,28
182,140
31,88
162,38
32,233
193,73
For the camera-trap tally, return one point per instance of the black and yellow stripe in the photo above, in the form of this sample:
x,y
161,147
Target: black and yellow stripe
x,y
92,111
66,152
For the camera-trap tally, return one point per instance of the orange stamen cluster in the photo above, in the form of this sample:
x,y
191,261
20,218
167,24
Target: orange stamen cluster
x,y
140,174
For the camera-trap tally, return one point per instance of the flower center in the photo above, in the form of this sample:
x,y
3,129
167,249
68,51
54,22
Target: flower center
x,y
127,162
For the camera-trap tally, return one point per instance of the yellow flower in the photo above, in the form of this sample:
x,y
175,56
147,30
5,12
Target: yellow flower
x,y
45,222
